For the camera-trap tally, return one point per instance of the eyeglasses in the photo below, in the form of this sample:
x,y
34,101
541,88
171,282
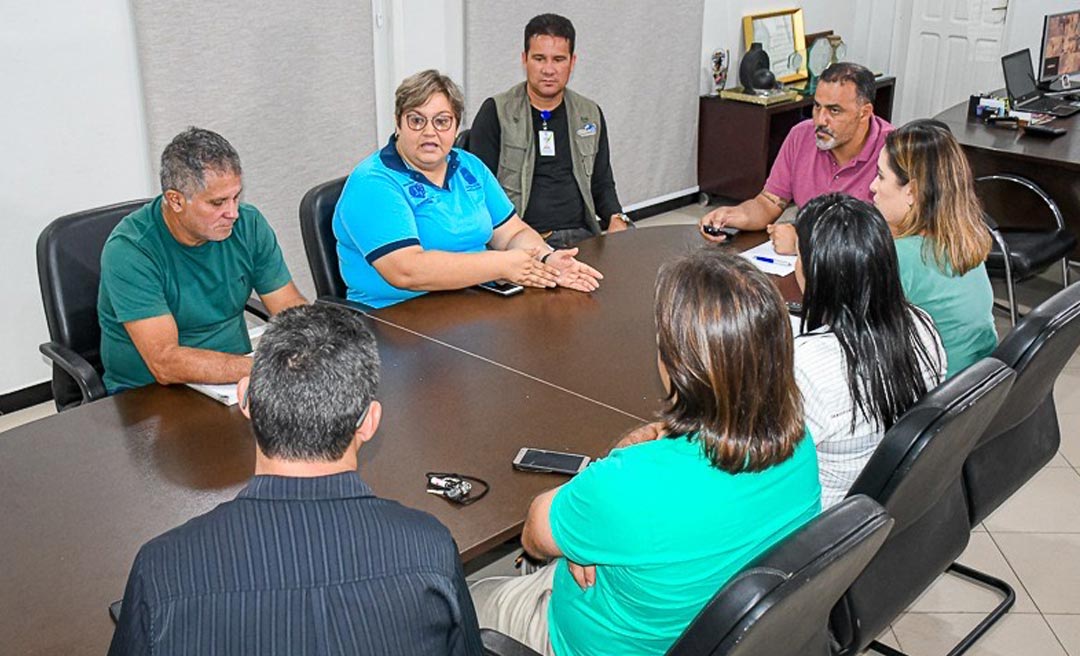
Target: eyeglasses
x,y
441,122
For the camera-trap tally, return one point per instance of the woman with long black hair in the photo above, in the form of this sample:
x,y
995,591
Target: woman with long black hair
x,y
863,353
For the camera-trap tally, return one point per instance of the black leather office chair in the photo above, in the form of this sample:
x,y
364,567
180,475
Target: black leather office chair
x,y
462,140
1025,435
779,603
915,473
69,269
1020,254
317,230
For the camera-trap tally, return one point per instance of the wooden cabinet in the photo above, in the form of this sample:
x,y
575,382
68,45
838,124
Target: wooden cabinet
x,y
738,142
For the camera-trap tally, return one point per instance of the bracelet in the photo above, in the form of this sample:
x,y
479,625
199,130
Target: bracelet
x,y
543,260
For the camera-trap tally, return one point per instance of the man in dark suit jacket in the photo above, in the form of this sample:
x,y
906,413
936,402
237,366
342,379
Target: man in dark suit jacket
x,y
306,559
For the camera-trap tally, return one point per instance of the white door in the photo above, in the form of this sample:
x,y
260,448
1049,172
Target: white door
x,y
950,49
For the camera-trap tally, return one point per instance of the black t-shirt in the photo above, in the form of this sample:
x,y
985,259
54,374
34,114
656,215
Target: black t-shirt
x,y
555,200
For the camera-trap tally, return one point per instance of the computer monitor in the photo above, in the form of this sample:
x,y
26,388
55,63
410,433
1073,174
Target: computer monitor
x,y
1060,47
1019,81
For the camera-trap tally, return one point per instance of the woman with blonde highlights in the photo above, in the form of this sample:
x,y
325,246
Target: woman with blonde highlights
x,y
925,191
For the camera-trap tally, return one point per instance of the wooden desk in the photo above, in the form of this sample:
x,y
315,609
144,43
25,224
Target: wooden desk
x,y
83,490
738,142
600,345
1053,164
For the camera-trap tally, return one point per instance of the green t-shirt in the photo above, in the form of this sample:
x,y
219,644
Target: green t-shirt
x,y
961,306
146,273
665,529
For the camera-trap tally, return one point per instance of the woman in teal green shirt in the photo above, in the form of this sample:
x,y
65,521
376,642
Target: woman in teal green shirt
x,y
925,191
646,536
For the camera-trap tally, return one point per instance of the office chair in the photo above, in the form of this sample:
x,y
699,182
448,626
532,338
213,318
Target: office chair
x,y
1024,434
462,140
69,271
320,245
1020,254
779,603
915,473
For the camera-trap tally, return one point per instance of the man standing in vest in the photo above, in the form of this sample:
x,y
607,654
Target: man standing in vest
x,y
548,146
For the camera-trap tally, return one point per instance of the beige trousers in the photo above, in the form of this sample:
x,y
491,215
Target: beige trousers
x,y
517,606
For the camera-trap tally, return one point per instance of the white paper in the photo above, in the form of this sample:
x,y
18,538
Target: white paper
x,y
768,260
226,392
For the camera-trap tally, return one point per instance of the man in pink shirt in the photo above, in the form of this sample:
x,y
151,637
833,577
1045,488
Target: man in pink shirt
x,y
835,151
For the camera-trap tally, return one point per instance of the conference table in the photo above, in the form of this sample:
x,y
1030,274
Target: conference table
x,y
1053,164
467,378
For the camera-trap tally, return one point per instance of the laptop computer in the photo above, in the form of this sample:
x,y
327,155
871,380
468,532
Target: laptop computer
x,y
1025,96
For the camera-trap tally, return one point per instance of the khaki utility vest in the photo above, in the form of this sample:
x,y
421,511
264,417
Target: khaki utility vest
x,y
517,155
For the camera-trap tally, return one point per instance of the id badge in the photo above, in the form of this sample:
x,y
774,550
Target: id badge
x,y
547,143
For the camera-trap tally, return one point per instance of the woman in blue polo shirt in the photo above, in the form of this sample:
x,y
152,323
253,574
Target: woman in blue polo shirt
x,y
419,215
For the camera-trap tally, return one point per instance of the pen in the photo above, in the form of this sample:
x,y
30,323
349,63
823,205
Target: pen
x,y
764,259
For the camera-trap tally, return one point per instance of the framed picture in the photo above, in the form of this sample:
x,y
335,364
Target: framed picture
x,y
780,34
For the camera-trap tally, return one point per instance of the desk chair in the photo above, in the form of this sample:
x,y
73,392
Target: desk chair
x,y
462,140
1024,435
779,603
317,230
915,473
1017,255
69,271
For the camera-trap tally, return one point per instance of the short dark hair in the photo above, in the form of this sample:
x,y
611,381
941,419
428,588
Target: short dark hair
x,y
856,74
190,154
725,339
550,25
315,373
853,287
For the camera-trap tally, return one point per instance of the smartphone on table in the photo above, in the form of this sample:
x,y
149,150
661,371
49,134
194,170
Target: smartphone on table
x,y
553,462
501,287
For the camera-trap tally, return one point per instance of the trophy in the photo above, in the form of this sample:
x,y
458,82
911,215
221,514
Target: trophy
x,y
720,61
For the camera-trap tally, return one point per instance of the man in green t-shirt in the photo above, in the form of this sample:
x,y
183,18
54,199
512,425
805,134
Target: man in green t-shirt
x,y
176,273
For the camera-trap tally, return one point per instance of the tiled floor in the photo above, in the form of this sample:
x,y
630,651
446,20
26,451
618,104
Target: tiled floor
x,y
1033,541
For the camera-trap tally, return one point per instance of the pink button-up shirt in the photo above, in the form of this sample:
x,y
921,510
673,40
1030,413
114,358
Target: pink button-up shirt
x,y
802,171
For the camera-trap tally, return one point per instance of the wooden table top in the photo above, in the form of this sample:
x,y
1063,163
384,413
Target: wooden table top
x,y
1063,151
467,379
600,345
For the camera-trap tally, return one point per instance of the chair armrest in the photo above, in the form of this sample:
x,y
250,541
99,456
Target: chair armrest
x,y
1033,188
76,366
498,644
256,307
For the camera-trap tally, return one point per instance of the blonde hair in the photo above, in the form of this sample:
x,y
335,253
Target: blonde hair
x,y
946,210
415,90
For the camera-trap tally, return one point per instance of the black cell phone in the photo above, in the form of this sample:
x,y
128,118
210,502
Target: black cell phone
x,y
716,230
501,287
794,307
554,462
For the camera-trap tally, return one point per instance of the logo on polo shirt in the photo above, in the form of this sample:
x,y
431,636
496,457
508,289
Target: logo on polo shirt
x,y
470,180
416,190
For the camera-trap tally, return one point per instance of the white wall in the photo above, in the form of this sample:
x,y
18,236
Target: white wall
x,y
74,138
411,36
865,25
